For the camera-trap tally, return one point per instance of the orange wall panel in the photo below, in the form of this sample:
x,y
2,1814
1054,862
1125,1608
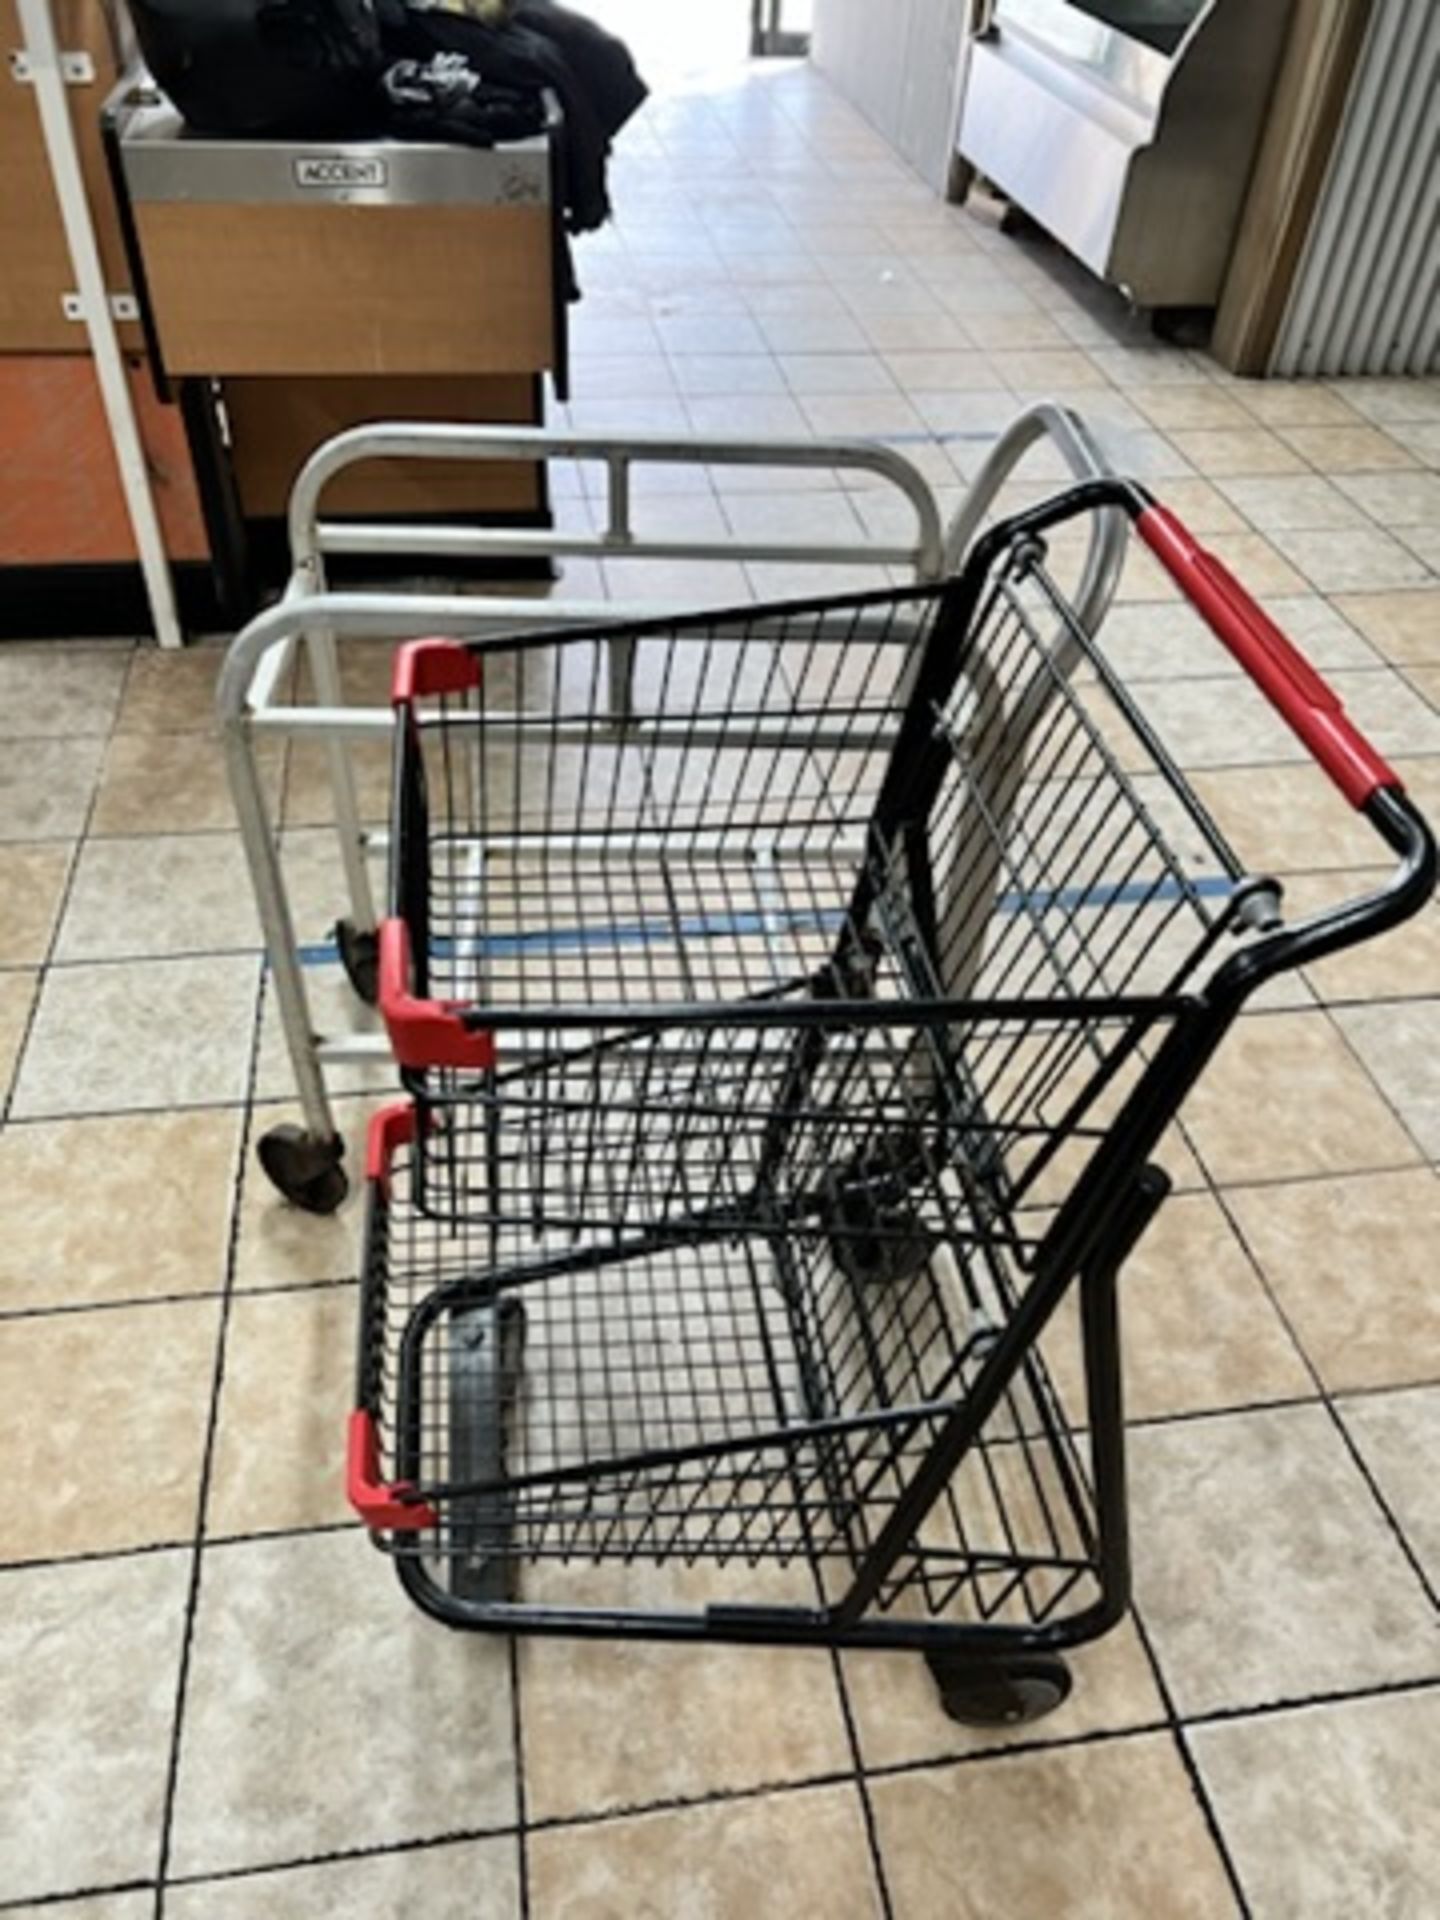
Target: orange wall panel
x,y
60,496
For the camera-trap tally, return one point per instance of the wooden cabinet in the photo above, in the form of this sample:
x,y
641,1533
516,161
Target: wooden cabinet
x,y
35,272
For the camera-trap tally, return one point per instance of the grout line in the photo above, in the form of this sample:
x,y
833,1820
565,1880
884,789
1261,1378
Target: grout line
x,y
1187,1760
42,970
521,1810
207,1468
1327,1398
264,1870
1317,1702
63,1902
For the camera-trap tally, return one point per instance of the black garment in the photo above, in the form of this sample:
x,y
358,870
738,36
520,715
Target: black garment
x,y
249,68
446,99
539,46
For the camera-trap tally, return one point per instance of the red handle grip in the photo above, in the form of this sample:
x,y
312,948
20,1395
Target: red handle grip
x,y
423,1033
1312,709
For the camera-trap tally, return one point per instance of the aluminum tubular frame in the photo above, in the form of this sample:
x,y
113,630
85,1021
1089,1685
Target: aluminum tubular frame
x,y
308,614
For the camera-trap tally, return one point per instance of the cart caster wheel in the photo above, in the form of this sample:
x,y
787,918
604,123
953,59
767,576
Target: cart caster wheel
x,y
875,1234
1000,1694
360,957
1016,224
305,1169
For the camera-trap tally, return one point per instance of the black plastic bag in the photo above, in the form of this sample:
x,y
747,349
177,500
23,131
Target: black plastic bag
x,y
257,67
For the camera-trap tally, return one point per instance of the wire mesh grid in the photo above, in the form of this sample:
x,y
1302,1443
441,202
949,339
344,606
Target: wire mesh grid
x,y
902,800
761,1397
821,945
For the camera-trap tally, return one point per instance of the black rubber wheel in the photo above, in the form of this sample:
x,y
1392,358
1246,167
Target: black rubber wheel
x,y
1009,1693
360,957
306,1170
1016,224
875,1233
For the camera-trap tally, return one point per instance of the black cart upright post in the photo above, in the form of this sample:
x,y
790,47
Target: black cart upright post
x,y
788,1061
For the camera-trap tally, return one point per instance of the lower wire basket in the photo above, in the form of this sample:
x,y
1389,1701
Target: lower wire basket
x,y
745,1404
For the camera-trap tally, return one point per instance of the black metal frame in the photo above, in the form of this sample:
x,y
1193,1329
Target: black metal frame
x,y
846,1006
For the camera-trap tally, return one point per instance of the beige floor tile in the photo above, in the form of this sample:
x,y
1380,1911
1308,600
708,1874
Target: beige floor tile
x,y
46,786
1201,505
793,516
1287,819
1424,543
1025,367
32,884
1109,1832
1362,560
1286,1098
1398,1044
1261,569
791,1853
170,783
1304,501
1149,365
288,1390
1168,641
1198,1332
143,1034
1403,626
115,1209
1395,499
1190,407
170,692
1210,724
308,798
978,411
1015,330
89,1659
1391,401
109,1413
59,690
334,1009
470,1880
1350,1262
843,373
705,373
842,416
1330,1811
280,1246
1224,451
899,1719
689,583
1264,1570
105,1906
1398,1435
17,997
695,1719
301,1645
315,882
1422,438
837,331
1296,403
1398,966
921,370
1347,449
159,894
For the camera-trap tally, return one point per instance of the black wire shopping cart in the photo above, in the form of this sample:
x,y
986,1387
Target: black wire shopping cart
x,y
788,1027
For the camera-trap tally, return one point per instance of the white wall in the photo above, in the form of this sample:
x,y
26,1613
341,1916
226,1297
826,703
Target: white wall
x,y
897,60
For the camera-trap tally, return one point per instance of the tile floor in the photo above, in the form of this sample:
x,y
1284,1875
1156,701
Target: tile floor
x,y
215,1701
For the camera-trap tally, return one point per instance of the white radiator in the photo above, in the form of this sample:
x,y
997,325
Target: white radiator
x,y
1366,297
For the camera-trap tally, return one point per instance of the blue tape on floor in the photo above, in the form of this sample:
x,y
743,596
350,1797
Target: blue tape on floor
x,y
720,926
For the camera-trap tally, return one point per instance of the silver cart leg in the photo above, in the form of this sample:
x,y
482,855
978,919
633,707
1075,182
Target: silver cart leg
x,y
303,1162
355,935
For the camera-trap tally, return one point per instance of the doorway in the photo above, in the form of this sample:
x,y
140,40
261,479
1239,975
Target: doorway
x,y
780,29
